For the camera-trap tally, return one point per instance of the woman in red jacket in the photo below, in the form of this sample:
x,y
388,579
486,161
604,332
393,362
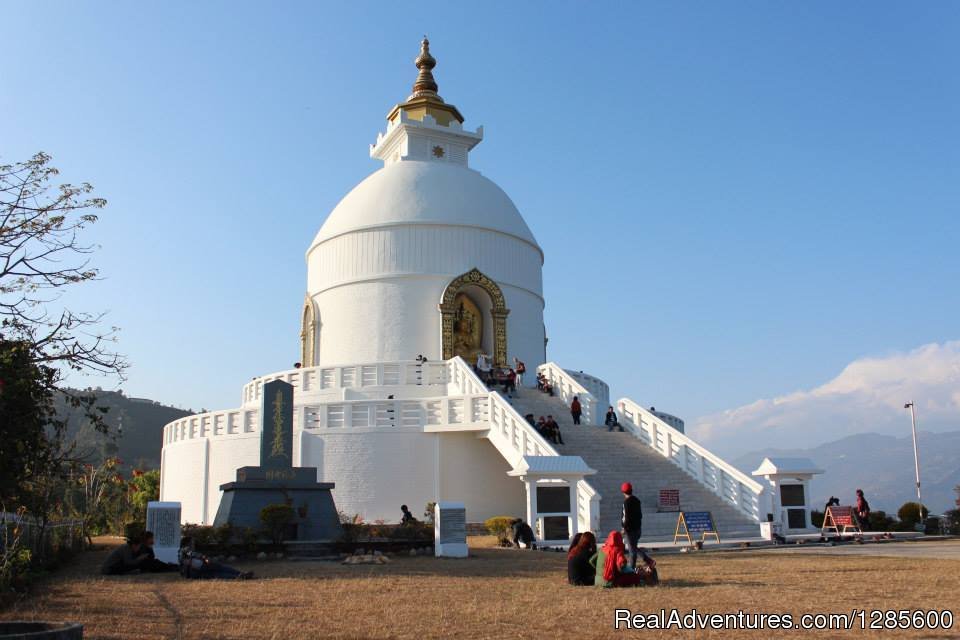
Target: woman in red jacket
x,y
576,410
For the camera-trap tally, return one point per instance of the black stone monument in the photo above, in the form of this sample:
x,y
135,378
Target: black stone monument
x,y
276,480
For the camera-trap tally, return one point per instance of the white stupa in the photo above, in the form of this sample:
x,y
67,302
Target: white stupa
x,y
419,269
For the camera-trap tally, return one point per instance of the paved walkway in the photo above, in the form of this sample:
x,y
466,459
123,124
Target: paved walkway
x,y
943,549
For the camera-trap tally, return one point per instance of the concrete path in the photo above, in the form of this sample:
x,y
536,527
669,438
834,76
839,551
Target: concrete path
x,y
943,549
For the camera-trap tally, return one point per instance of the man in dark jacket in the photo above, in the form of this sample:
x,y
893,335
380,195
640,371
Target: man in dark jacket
x,y
523,533
127,558
631,519
611,420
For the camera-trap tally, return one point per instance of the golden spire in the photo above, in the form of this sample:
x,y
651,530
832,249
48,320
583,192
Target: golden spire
x,y
425,85
424,100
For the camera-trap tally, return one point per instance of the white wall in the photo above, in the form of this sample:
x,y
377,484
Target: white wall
x,y
377,290
375,471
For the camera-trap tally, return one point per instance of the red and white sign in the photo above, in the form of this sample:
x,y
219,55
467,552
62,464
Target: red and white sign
x,y
669,500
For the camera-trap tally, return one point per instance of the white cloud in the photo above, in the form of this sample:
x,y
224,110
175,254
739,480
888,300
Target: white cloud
x,y
868,395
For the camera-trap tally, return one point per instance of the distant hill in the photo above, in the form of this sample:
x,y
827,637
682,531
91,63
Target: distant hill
x,y
139,442
880,465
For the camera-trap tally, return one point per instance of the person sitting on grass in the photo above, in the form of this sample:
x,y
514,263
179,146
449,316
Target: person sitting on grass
x,y
407,518
523,534
612,568
197,566
151,564
580,572
127,558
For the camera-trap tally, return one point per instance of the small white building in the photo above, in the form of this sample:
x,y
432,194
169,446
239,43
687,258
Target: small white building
x,y
788,481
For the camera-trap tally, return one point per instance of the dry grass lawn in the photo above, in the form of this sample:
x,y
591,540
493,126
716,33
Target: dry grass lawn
x,y
493,594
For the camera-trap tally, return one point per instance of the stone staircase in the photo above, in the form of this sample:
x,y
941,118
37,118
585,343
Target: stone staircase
x,y
620,457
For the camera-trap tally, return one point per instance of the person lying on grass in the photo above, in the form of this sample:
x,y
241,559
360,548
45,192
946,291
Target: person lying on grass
x,y
199,567
127,558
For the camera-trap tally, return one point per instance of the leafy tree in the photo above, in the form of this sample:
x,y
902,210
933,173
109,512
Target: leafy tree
x,y
144,486
41,255
910,514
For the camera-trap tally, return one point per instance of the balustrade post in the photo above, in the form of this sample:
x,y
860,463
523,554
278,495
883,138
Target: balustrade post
x,y
575,511
668,443
653,436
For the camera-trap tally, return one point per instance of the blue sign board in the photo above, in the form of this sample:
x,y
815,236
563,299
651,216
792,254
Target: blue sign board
x,y
698,521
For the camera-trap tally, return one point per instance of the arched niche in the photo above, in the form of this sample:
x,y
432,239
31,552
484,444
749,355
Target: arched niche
x,y
495,309
308,333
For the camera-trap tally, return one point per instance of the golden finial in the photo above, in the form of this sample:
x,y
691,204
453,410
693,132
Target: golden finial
x,y
425,85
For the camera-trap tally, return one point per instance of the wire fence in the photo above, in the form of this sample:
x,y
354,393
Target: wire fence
x,y
53,540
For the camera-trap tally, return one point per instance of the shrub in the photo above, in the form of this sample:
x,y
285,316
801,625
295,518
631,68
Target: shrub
x,y
500,526
428,511
880,521
277,518
204,537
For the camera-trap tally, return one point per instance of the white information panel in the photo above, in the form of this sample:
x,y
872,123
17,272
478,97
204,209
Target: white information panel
x,y
450,530
163,519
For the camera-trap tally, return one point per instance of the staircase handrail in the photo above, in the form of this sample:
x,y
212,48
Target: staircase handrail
x,y
568,387
529,442
747,490
519,438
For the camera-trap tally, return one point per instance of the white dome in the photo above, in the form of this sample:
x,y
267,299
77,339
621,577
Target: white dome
x,y
427,193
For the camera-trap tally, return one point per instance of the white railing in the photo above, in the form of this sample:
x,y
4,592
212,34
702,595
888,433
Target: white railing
x,y
212,424
448,413
567,388
352,376
514,438
720,477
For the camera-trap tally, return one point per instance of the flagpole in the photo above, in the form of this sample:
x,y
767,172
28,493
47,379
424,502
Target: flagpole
x,y
916,455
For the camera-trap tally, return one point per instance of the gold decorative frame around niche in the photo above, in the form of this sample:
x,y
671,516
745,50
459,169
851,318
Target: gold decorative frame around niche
x,y
308,333
498,312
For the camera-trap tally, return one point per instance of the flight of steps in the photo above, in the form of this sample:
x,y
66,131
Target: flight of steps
x,y
620,457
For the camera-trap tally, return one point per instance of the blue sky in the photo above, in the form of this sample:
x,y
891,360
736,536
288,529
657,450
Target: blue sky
x,y
735,200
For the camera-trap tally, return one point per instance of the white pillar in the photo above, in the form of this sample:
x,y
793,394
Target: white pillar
x,y
531,485
574,509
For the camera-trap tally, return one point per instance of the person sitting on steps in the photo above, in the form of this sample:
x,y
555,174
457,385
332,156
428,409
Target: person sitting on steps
x,y
554,430
611,420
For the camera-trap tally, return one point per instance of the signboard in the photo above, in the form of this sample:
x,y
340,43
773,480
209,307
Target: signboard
x,y
163,520
691,523
668,500
276,425
553,500
556,528
450,530
838,520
